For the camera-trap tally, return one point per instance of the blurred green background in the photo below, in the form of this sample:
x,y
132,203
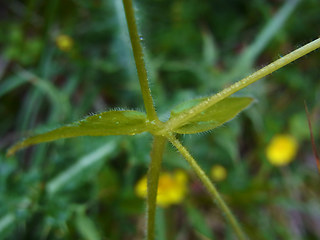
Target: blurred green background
x,y
83,188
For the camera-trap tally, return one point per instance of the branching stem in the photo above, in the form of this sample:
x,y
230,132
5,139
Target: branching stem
x,y
210,187
161,131
139,59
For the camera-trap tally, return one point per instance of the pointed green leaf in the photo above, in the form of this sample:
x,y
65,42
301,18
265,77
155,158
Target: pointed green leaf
x,y
213,117
85,226
103,124
198,222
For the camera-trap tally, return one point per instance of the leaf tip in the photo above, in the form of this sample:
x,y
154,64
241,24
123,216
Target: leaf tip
x,y
14,148
11,151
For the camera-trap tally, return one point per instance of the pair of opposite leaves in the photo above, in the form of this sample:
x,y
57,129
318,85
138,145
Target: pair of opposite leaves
x,y
128,122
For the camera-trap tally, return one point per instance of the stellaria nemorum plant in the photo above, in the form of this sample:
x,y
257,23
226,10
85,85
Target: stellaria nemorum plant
x,y
194,116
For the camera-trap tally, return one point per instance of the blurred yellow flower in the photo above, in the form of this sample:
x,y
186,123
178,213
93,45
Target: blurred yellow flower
x,y
282,149
218,173
64,42
172,188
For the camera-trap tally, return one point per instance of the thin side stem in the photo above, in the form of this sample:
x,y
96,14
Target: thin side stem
x,y
153,179
313,144
139,60
210,188
181,119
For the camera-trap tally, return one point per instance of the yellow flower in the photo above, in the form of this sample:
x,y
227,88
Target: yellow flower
x,y
218,173
282,149
64,42
172,188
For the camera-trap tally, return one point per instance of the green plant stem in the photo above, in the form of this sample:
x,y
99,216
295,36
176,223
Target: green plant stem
x,y
210,187
152,186
139,60
178,121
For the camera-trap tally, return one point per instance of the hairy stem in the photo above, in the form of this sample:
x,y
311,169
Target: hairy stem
x,y
139,60
153,178
181,119
210,188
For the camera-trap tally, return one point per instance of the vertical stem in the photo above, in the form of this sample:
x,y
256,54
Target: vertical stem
x,y
153,178
139,60
210,188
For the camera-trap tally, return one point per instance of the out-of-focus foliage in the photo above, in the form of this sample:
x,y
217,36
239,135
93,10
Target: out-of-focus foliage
x,y
83,188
